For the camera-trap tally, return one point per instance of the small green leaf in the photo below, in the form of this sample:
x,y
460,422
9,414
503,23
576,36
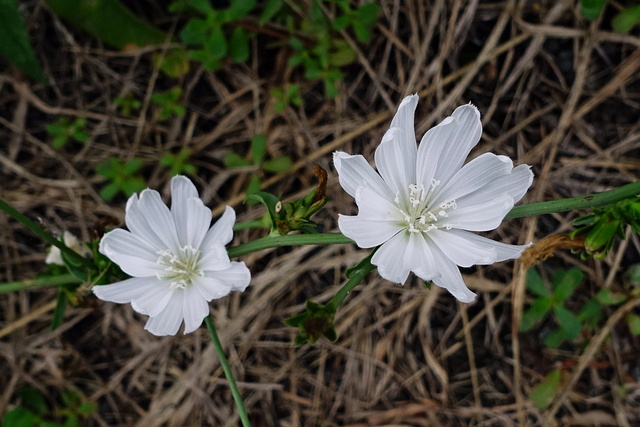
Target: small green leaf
x,y
194,32
543,393
633,321
271,8
239,45
555,338
568,322
233,160
367,14
362,32
535,283
58,312
565,282
20,417
216,43
278,164
341,22
626,20
33,400
258,148
591,8
590,314
15,44
539,308
607,297
252,188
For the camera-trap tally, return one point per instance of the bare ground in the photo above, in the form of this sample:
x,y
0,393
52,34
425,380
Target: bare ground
x,y
555,91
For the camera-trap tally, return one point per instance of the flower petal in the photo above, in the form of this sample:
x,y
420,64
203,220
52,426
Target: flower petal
x,y
389,258
214,258
194,309
396,162
450,278
462,251
192,217
126,290
355,172
483,216
210,287
168,321
444,148
221,232
150,219
156,299
503,251
479,172
237,276
419,257
367,233
514,184
133,254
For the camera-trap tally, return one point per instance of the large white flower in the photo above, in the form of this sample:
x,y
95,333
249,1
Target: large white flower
x,y
422,203
177,263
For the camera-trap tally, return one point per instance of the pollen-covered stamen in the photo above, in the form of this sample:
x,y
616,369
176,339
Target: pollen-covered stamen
x,y
180,268
419,216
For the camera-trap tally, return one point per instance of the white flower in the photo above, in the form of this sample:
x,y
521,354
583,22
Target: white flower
x,y
422,203
177,263
55,256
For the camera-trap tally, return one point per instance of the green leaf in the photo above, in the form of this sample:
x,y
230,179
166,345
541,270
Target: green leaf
x,y
271,8
33,400
564,283
258,148
362,32
216,43
252,188
590,314
110,21
233,160
606,297
20,417
239,45
194,32
568,322
367,14
535,283
539,308
15,44
239,9
278,164
543,393
202,6
591,8
109,191
58,312
341,22
626,20
633,321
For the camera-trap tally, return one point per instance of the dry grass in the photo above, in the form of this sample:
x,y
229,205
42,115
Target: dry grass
x,y
555,91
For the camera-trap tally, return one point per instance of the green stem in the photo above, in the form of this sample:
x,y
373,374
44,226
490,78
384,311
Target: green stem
x,y
227,371
583,202
288,240
364,267
40,282
48,237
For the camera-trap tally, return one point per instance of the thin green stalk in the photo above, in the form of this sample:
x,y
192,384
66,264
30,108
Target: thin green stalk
x,y
356,277
227,371
288,240
48,237
583,202
40,282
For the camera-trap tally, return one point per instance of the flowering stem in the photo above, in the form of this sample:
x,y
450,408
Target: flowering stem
x,y
573,203
227,371
40,282
71,254
355,275
288,240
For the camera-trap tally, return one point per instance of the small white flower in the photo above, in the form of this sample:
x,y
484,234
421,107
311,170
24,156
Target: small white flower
x,y
422,203
177,263
55,256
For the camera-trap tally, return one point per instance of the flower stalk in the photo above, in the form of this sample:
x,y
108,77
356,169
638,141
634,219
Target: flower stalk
x,y
227,371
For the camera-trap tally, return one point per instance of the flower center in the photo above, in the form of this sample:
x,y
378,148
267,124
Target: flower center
x,y
180,268
420,216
